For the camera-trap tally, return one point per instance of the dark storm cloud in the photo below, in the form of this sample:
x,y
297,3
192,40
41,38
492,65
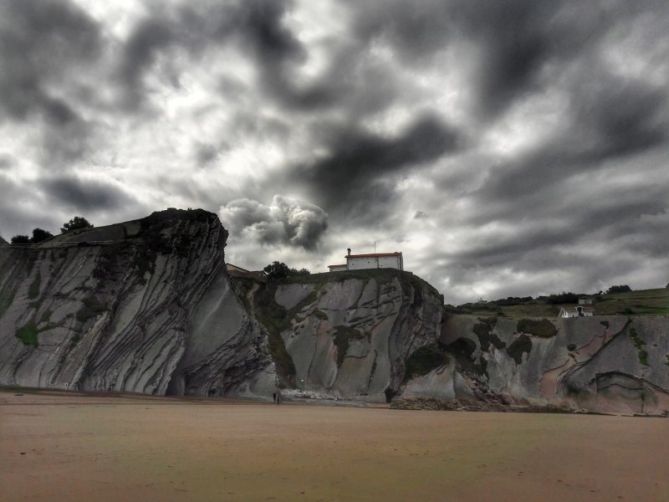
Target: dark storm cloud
x,y
354,173
81,194
285,221
610,118
255,26
41,42
510,44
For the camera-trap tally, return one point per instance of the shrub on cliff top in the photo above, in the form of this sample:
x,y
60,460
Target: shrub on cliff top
x,y
76,223
20,239
279,270
39,235
622,288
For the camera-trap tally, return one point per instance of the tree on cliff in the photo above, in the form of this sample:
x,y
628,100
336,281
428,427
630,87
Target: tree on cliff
x,y
76,223
40,235
279,270
20,239
623,288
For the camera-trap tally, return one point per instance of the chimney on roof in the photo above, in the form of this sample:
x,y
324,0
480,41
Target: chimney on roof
x,y
349,251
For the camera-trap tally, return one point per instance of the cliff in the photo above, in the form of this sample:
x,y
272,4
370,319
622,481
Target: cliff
x,y
347,335
143,306
147,306
607,364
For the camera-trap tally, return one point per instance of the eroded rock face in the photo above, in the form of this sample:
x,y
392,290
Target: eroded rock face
x,y
348,335
144,306
147,306
608,364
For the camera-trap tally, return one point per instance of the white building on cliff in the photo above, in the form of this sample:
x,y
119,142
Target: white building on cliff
x,y
370,260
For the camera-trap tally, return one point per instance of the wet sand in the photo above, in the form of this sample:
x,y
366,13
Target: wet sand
x,y
72,447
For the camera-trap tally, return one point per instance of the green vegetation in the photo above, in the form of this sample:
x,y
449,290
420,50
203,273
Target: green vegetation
x,y
341,338
542,329
279,270
640,345
20,239
39,235
423,360
483,331
643,302
33,290
623,288
521,345
28,335
76,223
667,357
277,319
320,315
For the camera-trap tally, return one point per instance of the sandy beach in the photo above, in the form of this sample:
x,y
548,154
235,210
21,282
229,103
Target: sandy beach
x,y
57,446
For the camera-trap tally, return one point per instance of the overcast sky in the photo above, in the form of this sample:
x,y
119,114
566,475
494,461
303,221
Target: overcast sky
x,y
506,147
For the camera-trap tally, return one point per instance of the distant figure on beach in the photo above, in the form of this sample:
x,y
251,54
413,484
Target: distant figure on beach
x,y
274,397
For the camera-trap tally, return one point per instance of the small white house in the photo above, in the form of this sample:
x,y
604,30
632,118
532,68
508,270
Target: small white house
x,y
370,260
585,301
578,311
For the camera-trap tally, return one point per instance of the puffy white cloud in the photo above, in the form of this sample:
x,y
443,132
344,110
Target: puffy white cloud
x,y
286,221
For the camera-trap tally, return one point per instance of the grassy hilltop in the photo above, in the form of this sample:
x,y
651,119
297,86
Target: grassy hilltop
x,y
642,302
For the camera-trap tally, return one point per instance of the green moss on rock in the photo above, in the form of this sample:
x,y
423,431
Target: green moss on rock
x,y
341,339
521,345
483,331
640,345
423,360
275,319
542,329
28,334
319,314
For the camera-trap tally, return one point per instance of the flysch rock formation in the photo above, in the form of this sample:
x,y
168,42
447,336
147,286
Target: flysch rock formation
x,y
348,335
147,306
604,364
144,306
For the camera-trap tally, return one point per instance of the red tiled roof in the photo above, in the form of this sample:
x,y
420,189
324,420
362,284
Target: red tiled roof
x,y
373,255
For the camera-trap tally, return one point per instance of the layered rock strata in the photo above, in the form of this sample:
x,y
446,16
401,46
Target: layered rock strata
x,y
143,306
